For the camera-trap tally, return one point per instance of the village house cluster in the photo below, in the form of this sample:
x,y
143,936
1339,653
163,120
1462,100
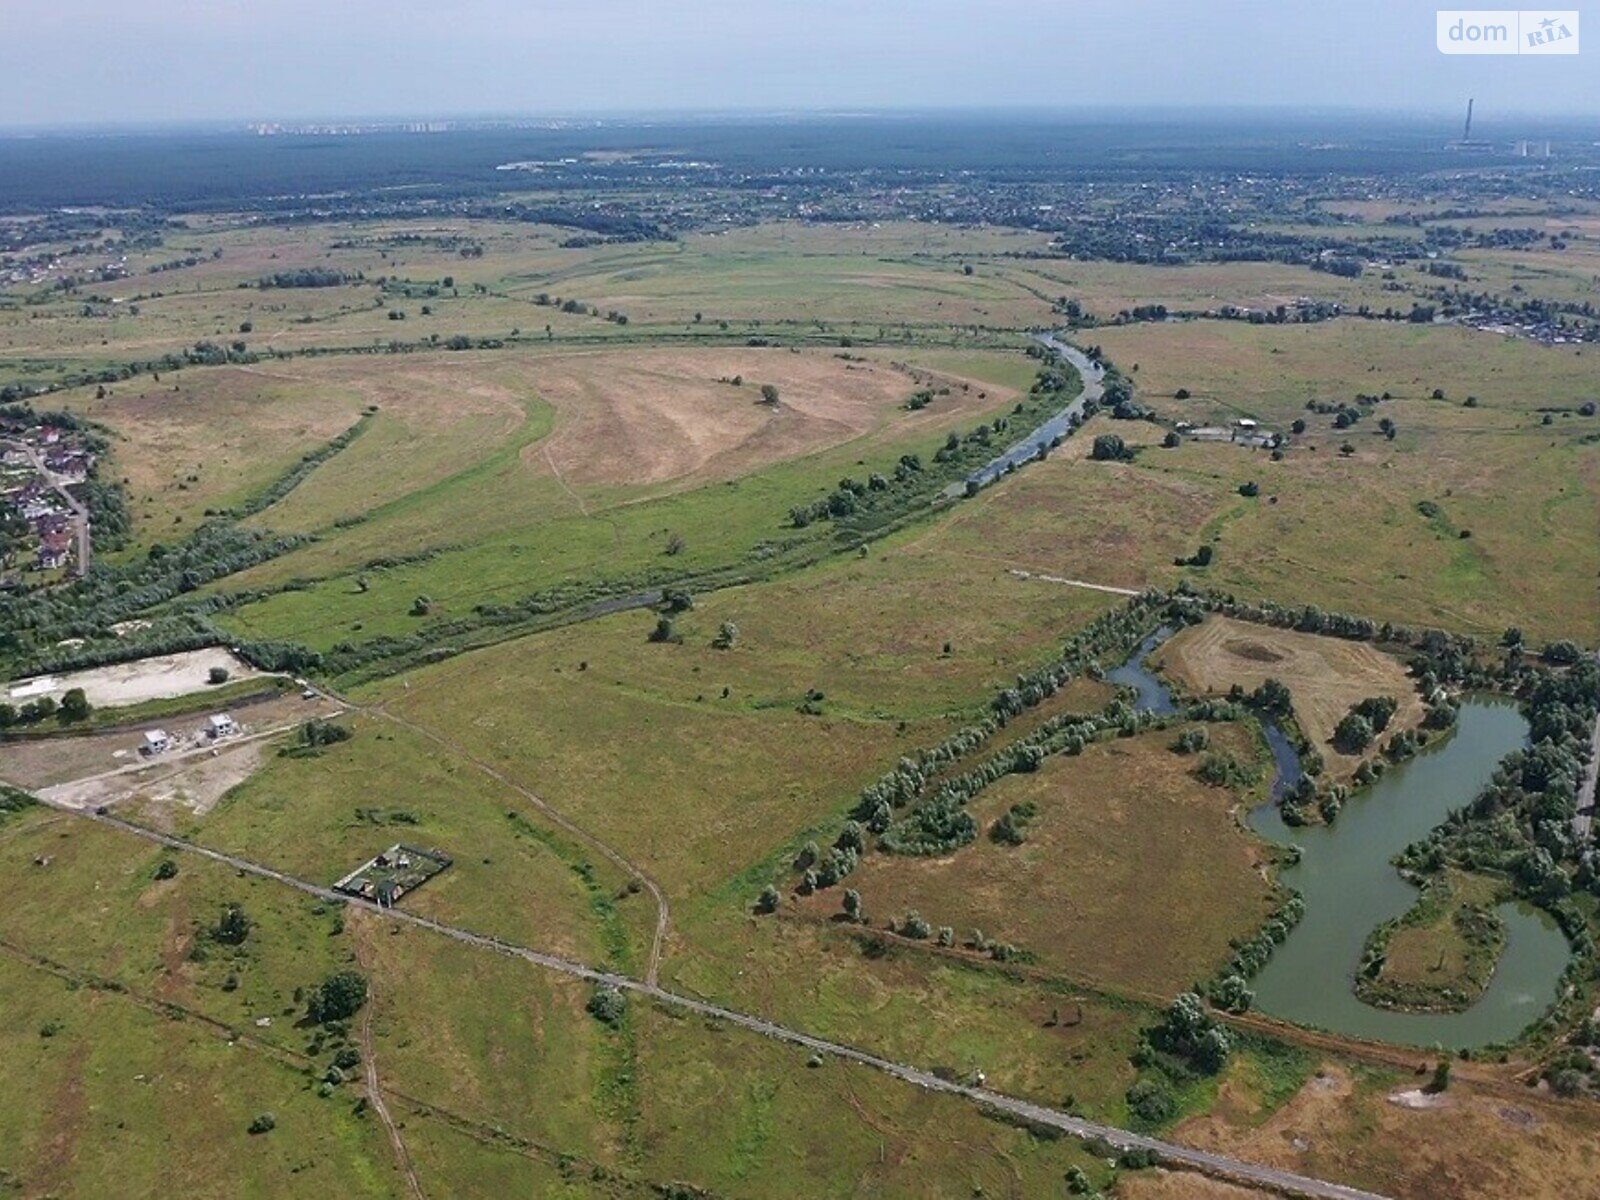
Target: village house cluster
x,y
42,525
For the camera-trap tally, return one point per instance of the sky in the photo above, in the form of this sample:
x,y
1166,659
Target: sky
x,y
144,61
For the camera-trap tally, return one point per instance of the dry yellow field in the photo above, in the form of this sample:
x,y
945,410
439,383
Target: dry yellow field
x,y
1134,873
1466,1145
1325,675
650,416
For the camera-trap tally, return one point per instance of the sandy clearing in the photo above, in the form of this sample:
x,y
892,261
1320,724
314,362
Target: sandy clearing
x,y
653,416
39,764
196,785
1325,675
161,677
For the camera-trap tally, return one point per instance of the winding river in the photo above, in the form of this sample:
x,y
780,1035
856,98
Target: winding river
x,y
1350,885
1027,449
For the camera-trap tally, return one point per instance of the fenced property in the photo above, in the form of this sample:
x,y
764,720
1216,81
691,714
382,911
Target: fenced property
x,y
390,875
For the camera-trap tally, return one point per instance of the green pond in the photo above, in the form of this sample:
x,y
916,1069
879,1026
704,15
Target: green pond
x,y
1350,887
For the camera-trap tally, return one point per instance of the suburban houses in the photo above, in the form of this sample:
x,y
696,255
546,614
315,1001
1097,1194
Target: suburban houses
x,y
43,526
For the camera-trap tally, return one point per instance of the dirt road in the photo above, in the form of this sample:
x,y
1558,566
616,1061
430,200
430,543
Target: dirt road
x,y
1171,1153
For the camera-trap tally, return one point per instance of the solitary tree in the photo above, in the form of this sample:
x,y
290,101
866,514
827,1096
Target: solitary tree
x,y
852,904
233,927
338,997
769,394
607,1005
75,706
1108,447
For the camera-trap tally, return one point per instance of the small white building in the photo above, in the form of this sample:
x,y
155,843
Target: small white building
x,y
1247,423
221,725
156,741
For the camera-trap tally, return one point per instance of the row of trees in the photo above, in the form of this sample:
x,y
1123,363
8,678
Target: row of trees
x,y
946,820
73,708
307,277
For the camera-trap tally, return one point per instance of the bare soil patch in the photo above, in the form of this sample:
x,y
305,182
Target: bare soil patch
x,y
1253,651
161,677
109,768
43,762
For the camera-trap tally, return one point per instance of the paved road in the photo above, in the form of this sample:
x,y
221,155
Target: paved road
x,y
1057,426
80,511
1269,1178
1583,819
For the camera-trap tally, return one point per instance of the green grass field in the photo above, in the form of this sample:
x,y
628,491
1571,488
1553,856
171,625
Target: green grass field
x,y
584,457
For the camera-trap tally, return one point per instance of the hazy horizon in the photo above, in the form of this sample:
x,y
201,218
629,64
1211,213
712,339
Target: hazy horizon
x,y
96,64
1299,118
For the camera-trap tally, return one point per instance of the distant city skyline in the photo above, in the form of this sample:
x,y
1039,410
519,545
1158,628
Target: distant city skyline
x,y
101,62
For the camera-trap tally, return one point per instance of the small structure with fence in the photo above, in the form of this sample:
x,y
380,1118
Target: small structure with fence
x,y
388,876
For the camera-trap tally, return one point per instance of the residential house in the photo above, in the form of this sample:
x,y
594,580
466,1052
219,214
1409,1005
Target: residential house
x,y
54,549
